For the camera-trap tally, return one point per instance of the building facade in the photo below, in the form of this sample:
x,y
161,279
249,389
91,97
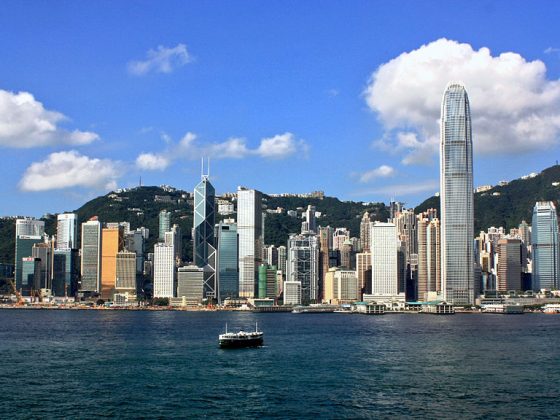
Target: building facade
x,y
544,237
251,239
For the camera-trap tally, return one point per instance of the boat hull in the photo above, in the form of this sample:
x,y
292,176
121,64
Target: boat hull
x,y
240,343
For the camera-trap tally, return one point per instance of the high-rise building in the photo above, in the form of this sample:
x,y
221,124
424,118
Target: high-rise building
x,y
251,239
204,245
267,281
365,229
30,227
282,258
544,237
67,231
91,257
164,223
341,286
164,270
190,284
174,237
126,272
310,224
65,272
44,251
303,265
292,293
405,222
228,259
340,236
24,249
509,264
456,196
429,260
112,242
363,271
384,271
135,242
30,275
525,235
347,255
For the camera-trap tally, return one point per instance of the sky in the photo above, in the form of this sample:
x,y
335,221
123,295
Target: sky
x,y
282,96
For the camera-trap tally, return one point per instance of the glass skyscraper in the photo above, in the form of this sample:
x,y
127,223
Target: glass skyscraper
x,y
204,251
456,195
544,237
251,242
228,272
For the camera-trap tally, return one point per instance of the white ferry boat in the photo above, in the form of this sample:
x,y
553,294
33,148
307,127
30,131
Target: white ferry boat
x,y
552,308
230,340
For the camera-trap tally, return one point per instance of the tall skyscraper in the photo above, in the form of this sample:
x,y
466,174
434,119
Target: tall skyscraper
x,y
228,271
544,236
126,272
91,256
456,195
363,271
429,258
164,270
384,271
66,231
164,223
66,272
30,227
310,224
251,239
509,264
303,265
112,242
365,229
204,246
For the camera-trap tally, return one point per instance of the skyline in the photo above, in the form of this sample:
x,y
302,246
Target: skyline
x,y
352,110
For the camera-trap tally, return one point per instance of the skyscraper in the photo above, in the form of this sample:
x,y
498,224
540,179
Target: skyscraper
x,y
164,270
250,230
303,265
164,223
456,195
365,230
509,264
66,231
384,271
228,271
429,259
91,256
204,251
544,236
112,242
30,227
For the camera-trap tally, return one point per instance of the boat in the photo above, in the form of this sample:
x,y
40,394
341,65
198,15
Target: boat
x,y
241,339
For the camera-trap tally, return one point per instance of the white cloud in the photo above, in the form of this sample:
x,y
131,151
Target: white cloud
x,y
515,108
25,123
152,162
384,171
70,169
161,60
276,147
552,50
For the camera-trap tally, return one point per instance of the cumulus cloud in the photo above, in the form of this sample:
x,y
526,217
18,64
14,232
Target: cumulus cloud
x,y
25,123
161,60
70,169
384,171
515,108
276,147
152,162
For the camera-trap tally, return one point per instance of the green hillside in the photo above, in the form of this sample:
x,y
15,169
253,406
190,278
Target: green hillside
x,y
514,203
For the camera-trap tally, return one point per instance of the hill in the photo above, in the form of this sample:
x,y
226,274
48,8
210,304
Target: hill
x,y
507,205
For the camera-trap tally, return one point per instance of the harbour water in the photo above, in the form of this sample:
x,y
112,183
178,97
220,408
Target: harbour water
x,y
154,364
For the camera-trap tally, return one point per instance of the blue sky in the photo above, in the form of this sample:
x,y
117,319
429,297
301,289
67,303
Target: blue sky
x,y
283,96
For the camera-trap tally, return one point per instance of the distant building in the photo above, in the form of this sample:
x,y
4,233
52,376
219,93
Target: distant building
x,y
164,223
66,272
292,293
384,244
112,242
340,236
24,249
91,257
429,257
67,231
164,271
544,234
126,272
267,281
228,271
30,227
365,229
509,264
30,275
303,265
363,271
251,239
341,286
190,284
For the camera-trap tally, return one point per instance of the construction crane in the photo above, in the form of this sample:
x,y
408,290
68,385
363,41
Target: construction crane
x,y
20,301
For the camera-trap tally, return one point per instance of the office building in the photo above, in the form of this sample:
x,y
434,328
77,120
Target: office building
x,y
292,293
112,241
29,227
544,237
30,276
429,260
204,245
24,249
66,272
228,258
363,271
456,197
340,236
509,264
67,231
91,257
164,271
341,286
267,281
303,265
190,284
126,272
164,223
384,271
251,239
365,229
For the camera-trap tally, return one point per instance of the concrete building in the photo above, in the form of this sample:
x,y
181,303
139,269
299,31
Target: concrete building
x,y
250,228
509,264
164,271
30,227
341,286
363,271
340,236
303,265
456,196
190,284
365,229
384,247
24,249
126,272
546,261
66,272
164,223
112,242
292,293
67,231
91,257
429,259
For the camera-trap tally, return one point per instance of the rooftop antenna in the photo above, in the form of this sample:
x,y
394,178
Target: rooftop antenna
x,y
202,174
208,166
202,167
